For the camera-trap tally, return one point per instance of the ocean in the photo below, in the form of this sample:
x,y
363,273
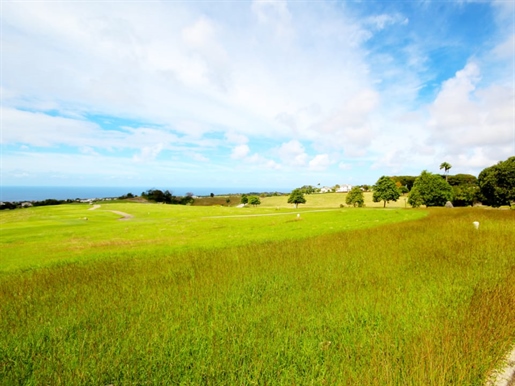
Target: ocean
x,y
40,193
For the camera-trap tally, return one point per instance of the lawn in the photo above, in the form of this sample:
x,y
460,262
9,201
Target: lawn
x,y
346,296
42,236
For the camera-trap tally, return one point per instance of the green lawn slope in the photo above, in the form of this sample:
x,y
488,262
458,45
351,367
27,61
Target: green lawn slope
x,y
223,296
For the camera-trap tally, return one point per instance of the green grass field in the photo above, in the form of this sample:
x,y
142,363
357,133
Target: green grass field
x,y
224,296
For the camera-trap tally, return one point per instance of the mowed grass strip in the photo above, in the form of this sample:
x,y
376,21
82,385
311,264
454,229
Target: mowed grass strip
x,y
426,302
39,237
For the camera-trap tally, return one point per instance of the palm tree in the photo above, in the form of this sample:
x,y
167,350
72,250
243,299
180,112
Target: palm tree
x,y
446,166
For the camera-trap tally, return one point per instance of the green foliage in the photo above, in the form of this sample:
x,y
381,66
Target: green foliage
x,y
446,167
415,198
296,197
406,181
433,189
462,179
403,189
254,200
464,195
244,199
385,190
157,195
128,195
307,189
355,197
497,183
167,197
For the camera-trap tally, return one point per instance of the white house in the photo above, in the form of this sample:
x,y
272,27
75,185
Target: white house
x,y
344,188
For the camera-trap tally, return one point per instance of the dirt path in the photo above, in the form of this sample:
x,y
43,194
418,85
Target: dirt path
x,y
125,216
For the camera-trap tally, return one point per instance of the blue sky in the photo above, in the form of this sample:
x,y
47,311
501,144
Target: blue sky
x,y
272,94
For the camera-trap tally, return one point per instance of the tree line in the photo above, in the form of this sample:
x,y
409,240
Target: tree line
x,y
495,186
167,197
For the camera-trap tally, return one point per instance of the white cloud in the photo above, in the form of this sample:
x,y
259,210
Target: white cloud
x,y
320,162
292,153
274,13
349,127
382,21
88,151
198,157
233,137
240,151
466,118
37,129
302,84
148,153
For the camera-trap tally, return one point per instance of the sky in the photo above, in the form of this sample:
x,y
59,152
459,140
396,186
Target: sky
x,y
271,94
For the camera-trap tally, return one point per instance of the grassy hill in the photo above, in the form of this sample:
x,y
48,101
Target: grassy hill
x,y
223,295
317,200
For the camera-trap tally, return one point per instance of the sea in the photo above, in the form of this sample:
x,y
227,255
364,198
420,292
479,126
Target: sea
x,y
40,193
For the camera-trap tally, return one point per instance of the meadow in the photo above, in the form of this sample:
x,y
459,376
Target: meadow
x,y
270,295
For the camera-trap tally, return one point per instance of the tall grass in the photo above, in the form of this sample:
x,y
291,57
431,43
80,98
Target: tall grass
x,y
426,302
44,236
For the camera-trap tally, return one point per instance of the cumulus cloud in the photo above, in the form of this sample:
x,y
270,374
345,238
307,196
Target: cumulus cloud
x,y
302,84
148,153
292,153
466,118
380,22
38,129
320,162
88,150
240,151
233,137
274,13
349,127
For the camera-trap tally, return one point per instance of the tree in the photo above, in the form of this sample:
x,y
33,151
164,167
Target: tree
x,y
296,197
403,189
415,198
433,190
355,197
154,195
187,200
385,190
497,183
462,179
254,200
244,199
406,181
167,197
464,195
307,189
446,167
